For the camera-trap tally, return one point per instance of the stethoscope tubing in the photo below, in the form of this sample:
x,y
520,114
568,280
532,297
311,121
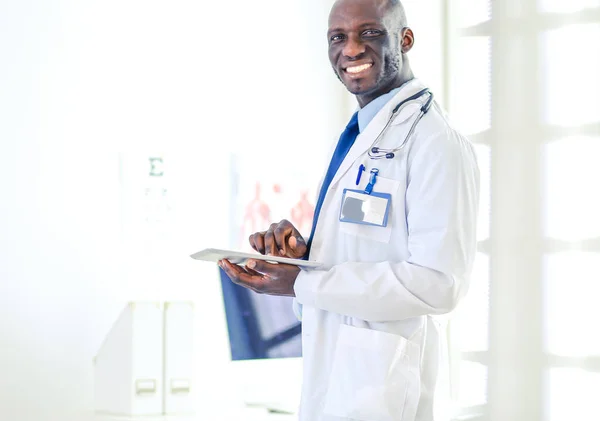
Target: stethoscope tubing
x,y
376,153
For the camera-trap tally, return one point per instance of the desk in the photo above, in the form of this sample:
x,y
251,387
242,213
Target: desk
x,y
237,414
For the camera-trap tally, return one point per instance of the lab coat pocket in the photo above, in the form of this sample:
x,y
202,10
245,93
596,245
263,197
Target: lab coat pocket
x,y
375,376
369,232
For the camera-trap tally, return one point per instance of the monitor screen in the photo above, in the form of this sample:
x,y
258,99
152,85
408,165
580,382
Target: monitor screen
x,y
259,326
262,326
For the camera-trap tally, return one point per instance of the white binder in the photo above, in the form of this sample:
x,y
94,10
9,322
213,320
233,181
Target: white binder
x,y
128,369
179,358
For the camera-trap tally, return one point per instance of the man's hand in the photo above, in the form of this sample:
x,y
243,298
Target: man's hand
x,y
263,277
281,239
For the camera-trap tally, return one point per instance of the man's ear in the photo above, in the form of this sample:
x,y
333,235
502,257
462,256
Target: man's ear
x,y
408,39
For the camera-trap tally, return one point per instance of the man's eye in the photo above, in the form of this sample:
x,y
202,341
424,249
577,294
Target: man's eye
x,y
371,33
335,38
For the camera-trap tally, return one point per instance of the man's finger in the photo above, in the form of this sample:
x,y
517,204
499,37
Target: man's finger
x,y
257,241
295,242
270,246
262,266
230,270
252,271
283,230
248,280
240,276
254,282
252,242
260,242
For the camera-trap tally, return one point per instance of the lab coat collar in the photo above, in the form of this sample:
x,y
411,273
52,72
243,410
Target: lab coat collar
x,y
364,141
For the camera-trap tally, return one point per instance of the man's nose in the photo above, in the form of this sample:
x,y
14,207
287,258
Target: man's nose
x,y
353,48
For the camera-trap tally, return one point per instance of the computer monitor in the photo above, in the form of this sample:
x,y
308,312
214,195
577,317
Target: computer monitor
x,y
266,347
259,326
264,333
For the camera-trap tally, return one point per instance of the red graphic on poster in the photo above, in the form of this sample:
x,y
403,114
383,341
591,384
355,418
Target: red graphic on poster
x,y
302,214
257,216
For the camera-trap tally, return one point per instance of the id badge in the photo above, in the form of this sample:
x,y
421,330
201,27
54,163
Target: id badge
x,y
359,207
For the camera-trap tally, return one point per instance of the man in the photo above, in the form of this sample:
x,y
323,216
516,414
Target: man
x,y
371,337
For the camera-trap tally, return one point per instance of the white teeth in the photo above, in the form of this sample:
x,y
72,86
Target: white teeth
x,y
358,69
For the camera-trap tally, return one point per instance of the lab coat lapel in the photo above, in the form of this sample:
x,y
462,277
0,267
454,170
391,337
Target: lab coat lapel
x,y
364,140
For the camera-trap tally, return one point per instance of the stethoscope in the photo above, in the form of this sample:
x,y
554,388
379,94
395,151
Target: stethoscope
x,y
380,153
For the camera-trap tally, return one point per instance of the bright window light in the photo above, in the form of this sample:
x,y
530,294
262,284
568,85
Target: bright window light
x,y
571,311
470,104
472,12
562,6
571,200
571,84
483,219
572,394
471,317
472,389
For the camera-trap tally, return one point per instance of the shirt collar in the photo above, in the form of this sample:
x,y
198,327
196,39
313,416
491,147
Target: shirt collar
x,y
366,114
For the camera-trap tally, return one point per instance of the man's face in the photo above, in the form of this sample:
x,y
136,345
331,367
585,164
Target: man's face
x,y
365,47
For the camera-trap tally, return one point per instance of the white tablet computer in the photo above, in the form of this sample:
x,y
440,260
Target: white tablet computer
x,y
237,257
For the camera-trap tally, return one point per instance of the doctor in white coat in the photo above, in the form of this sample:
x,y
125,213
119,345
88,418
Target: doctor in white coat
x,y
372,341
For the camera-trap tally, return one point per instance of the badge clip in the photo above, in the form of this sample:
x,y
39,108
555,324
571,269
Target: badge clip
x,y
372,181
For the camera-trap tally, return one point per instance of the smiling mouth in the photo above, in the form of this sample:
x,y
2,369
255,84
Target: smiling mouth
x,y
354,70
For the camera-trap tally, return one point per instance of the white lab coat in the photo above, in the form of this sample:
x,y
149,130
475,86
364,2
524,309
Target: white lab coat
x,y
371,339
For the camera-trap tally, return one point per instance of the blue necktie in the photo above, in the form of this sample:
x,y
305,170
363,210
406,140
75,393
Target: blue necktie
x,y
344,144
